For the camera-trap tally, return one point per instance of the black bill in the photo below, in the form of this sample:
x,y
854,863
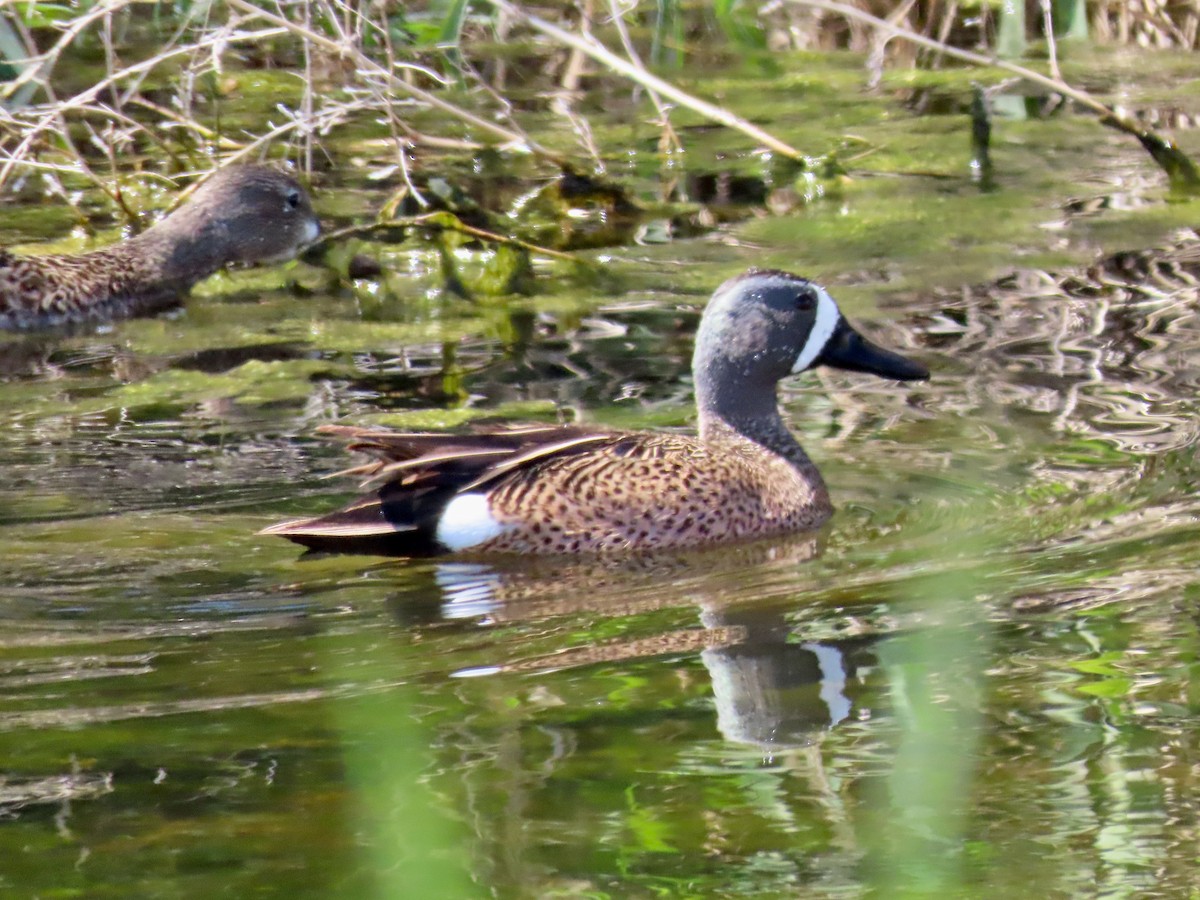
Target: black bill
x,y
847,349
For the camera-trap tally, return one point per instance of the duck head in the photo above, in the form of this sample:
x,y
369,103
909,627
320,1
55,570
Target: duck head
x,y
764,325
242,215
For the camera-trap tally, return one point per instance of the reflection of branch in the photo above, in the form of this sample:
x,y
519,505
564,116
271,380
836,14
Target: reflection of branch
x,y
447,222
1180,170
1051,43
670,140
634,72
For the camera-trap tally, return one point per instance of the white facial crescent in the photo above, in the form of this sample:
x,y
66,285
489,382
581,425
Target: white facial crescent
x,y
828,316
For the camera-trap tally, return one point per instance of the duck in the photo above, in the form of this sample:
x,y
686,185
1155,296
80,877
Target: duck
x,y
567,490
244,214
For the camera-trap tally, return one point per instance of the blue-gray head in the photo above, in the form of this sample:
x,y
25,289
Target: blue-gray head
x,y
764,325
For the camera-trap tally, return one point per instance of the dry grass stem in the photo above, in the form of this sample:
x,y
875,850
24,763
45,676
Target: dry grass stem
x,y
447,222
366,67
601,54
670,142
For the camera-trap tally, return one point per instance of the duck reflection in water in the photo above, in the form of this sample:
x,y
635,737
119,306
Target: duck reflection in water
x,y
771,691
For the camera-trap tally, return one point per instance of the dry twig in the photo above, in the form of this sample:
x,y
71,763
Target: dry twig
x,y
589,45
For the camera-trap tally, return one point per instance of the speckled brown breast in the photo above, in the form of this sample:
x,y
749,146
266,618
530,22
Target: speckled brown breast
x,y
654,492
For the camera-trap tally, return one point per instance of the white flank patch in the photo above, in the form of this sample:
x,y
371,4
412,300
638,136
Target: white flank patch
x,y
827,319
833,680
477,672
467,521
469,589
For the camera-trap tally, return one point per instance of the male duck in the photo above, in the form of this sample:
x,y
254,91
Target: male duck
x,y
574,490
243,214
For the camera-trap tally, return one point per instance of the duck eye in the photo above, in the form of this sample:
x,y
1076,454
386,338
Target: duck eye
x,y
293,199
806,299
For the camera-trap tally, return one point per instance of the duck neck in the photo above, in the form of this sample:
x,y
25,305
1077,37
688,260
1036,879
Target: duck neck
x,y
750,412
182,249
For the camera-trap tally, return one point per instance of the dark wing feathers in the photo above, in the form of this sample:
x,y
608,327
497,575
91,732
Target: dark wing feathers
x,y
529,457
443,461
413,476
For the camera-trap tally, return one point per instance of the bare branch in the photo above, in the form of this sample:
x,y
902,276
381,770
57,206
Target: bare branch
x,y
367,66
597,51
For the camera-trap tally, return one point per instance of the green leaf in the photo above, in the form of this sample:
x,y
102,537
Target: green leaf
x,y
443,28
1101,665
739,26
43,15
1109,687
456,14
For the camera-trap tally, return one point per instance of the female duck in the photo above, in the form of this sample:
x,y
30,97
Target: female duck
x,y
243,214
574,490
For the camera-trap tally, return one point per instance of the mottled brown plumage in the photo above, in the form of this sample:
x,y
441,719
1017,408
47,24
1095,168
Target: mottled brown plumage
x,y
574,490
243,214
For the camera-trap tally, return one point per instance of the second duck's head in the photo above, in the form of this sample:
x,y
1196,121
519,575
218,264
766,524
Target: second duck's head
x,y
243,214
764,325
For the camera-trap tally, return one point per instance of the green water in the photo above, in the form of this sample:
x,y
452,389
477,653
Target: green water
x,y
977,679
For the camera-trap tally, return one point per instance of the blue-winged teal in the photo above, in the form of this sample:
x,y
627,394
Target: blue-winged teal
x,y
243,214
574,490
